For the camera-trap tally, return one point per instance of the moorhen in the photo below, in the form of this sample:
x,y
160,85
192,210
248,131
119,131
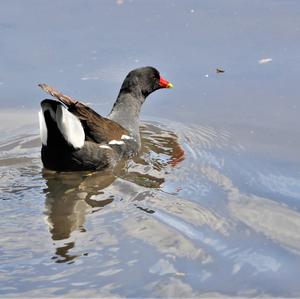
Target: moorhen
x,y
75,137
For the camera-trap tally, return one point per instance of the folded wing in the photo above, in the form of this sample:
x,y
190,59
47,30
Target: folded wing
x,y
96,127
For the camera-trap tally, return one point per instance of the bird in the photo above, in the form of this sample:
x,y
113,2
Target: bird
x,y
76,138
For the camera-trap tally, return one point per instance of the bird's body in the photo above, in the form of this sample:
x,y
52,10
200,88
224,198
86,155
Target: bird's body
x,y
75,137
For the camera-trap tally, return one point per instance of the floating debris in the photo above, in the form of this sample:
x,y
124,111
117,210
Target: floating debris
x,y
220,70
89,78
265,60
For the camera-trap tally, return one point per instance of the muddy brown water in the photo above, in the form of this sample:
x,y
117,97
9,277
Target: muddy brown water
x,y
211,206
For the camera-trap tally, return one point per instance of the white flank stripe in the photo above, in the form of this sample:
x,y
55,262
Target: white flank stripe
x,y
43,128
105,146
118,142
126,137
70,126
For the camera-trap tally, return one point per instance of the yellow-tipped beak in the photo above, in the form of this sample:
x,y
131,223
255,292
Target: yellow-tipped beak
x,y
170,85
164,83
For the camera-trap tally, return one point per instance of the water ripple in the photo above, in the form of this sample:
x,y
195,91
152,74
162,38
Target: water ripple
x,y
179,214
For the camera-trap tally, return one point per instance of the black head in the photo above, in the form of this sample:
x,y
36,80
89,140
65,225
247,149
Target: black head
x,y
144,80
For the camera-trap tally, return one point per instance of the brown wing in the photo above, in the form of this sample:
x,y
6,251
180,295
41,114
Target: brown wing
x,y
97,128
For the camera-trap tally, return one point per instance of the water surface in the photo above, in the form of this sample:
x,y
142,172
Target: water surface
x,y
210,207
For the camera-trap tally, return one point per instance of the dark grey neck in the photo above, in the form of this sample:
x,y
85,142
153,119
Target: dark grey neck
x,y
126,112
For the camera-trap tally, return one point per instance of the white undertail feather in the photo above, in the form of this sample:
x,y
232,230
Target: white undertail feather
x,y
48,107
68,124
43,128
70,127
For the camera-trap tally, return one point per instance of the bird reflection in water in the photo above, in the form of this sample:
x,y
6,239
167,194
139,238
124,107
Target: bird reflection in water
x,y
71,196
